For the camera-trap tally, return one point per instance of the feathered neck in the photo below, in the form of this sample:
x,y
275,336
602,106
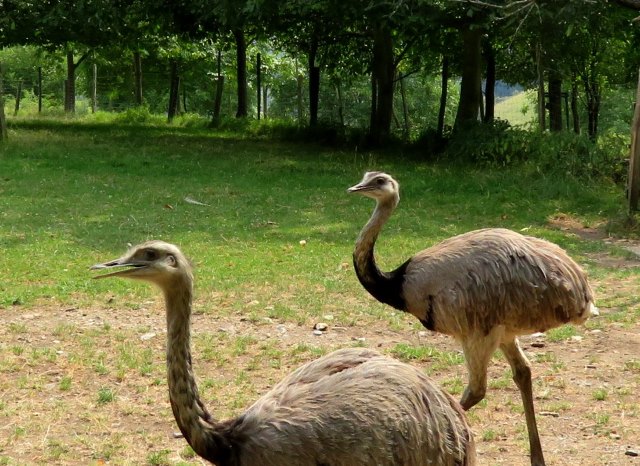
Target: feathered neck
x,y
385,287
199,428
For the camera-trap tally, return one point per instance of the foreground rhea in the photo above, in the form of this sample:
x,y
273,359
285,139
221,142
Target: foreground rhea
x,y
484,288
351,407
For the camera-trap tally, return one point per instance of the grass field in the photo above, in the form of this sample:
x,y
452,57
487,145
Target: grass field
x,y
518,109
82,377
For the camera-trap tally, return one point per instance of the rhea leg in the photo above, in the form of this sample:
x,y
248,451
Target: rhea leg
x,y
521,369
478,350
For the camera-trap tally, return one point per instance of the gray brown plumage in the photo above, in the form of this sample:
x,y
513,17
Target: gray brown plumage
x,y
352,407
484,288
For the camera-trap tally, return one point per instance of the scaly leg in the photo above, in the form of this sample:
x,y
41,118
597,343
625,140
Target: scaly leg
x,y
521,369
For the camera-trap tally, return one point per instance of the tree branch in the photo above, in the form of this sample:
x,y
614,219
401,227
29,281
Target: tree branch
x,y
82,58
633,4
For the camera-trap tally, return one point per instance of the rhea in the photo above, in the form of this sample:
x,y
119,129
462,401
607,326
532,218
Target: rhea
x,y
352,407
484,288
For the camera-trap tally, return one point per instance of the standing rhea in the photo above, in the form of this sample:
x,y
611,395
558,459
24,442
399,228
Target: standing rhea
x,y
349,408
484,288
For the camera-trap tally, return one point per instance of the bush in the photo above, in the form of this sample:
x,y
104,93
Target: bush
x,y
498,144
495,143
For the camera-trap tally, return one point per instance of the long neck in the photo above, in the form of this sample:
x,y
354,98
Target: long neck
x,y
385,287
196,424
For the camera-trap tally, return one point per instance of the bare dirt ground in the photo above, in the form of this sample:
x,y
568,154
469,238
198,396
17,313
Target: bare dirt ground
x,y
57,362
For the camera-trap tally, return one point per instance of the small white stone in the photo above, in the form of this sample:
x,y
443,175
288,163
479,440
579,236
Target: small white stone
x,y
321,326
147,336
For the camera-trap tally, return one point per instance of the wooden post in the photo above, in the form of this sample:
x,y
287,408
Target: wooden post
x,y
39,89
94,89
18,95
634,155
3,120
258,82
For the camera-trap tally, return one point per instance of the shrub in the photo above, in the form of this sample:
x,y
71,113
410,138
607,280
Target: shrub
x,y
499,144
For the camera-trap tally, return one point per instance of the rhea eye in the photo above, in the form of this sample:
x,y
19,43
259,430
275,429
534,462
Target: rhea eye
x,y
380,181
150,255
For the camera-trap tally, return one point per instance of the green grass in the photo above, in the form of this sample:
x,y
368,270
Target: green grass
x,y
518,109
74,195
600,394
562,333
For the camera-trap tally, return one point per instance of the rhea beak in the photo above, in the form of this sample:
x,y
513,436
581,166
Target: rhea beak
x,y
122,262
359,187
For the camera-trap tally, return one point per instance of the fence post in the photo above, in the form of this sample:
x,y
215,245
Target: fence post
x,y
258,82
94,89
39,89
3,120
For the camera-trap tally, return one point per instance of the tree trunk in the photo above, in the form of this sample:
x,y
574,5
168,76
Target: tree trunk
x,y
217,101
299,83
340,103
241,67
137,77
471,82
555,101
183,108
634,156
490,84
383,67
174,86
443,97
314,83
70,85
405,111
374,102
574,105
265,102
16,108
542,108
70,82
592,93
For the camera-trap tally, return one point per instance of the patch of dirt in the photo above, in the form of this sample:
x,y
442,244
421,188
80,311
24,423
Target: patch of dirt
x,y
40,423
572,225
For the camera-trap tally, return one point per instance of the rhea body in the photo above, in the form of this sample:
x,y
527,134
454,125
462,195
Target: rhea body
x,y
351,407
484,288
